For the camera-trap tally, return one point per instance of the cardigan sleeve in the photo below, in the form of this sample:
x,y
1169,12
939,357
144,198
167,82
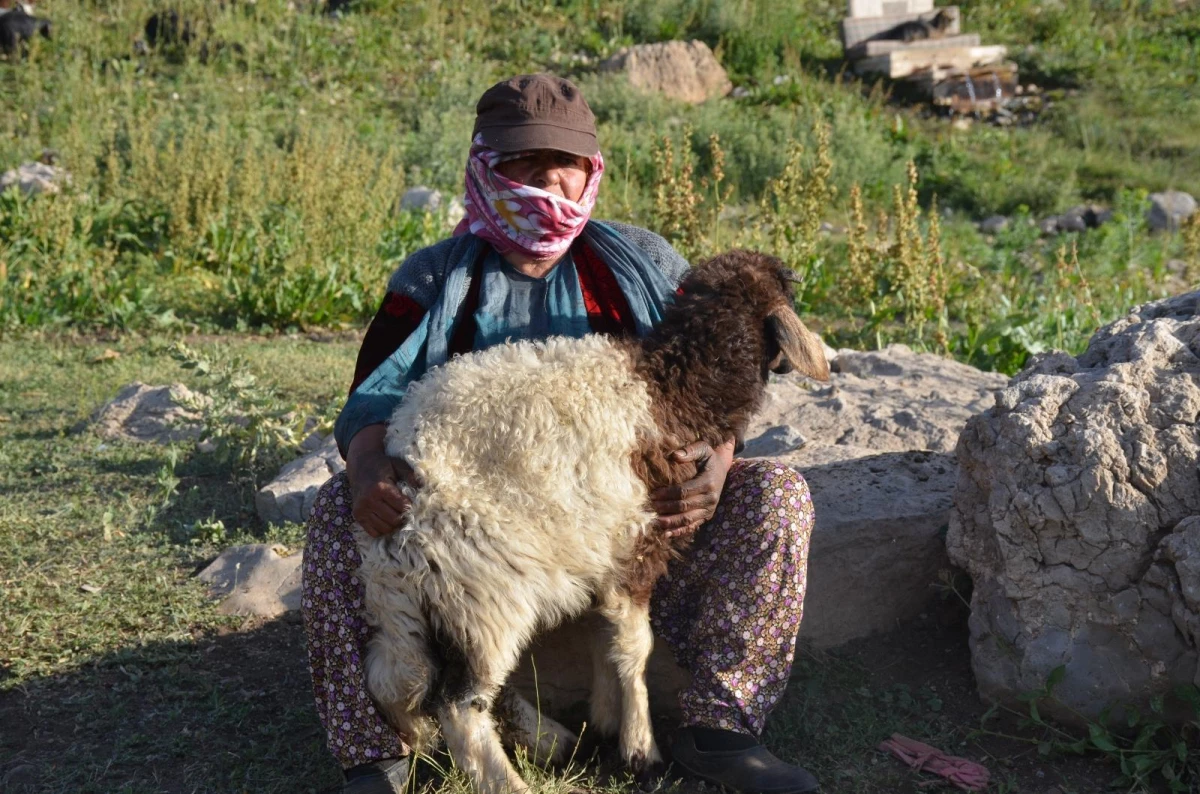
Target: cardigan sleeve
x,y
670,261
412,288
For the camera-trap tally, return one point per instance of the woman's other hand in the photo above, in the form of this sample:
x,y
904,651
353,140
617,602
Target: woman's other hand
x,y
683,508
377,503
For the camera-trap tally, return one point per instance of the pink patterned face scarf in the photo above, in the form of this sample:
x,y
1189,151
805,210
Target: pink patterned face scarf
x,y
515,217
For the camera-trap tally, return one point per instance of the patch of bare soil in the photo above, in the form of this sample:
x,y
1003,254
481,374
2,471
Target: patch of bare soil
x,y
932,656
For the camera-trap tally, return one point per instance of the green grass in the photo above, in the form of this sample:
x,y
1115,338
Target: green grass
x,y
255,187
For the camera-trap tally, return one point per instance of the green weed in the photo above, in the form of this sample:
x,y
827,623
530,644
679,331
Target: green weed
x,y
1149,749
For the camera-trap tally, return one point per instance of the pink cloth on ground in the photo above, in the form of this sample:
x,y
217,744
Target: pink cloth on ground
x,y
967,775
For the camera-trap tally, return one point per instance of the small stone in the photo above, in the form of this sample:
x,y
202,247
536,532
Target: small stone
x,y
1071,223
740,92
962,123
1170,209
254,580
422,198
33,179
150,414
291,494
1048,225
774,441
993,225
91,589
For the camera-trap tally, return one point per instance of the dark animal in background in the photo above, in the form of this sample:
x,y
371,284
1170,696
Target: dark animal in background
x,y
167,28
17,28
920,29
174,34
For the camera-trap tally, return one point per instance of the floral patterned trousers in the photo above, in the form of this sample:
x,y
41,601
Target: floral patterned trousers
x,y
729,610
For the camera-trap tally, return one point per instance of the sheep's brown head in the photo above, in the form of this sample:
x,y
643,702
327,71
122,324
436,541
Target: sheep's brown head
x,y
758,289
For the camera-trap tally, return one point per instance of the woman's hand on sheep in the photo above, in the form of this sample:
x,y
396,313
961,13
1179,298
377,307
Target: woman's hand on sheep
x,y
376,501
683,508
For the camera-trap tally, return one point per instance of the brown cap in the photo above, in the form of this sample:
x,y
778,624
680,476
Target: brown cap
x,y
536,111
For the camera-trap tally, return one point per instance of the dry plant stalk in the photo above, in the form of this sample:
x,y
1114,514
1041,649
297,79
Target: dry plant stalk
x,y
860,280
1190,232
796,200
676,200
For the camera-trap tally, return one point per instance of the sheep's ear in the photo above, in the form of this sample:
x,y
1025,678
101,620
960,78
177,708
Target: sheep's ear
x,y
801,346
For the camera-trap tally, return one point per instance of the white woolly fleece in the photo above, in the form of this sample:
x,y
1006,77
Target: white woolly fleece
x,y
528,506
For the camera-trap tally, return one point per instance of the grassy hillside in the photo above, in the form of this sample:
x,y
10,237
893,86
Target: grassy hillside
x,y
250,181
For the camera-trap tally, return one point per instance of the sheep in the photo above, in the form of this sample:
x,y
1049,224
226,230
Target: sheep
x,y
534,461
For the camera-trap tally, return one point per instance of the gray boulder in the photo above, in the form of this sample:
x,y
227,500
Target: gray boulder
x,y
150,414
1077,514
875,446
1048,225
687,71
993,225
426,199
255,580
34,178
290,496
1170,209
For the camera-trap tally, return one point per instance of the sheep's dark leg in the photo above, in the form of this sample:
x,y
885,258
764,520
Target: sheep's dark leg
x,y
466,714
632,642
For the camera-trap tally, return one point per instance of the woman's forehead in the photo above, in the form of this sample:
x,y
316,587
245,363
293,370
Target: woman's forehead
x,y
539,154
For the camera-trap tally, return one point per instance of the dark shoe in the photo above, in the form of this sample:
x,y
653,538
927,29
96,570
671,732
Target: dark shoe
x,y
382,777
750,770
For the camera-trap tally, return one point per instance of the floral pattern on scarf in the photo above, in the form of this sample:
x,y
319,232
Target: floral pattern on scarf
x,y
521,218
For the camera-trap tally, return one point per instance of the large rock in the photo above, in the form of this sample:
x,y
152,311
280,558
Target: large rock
x,y
255,580
290,496
151,414
34,178
875,446
890,400
1077,514
681,70
1170,209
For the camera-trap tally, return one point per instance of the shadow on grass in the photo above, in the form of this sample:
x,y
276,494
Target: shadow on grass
x,y
226,713
233,712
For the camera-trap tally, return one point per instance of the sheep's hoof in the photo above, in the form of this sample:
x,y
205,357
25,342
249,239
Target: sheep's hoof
x,y
648,775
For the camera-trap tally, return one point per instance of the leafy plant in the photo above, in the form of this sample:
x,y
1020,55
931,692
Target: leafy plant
x,y
246,425
1147,748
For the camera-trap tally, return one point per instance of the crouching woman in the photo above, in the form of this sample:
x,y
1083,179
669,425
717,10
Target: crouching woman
x,y
528,262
